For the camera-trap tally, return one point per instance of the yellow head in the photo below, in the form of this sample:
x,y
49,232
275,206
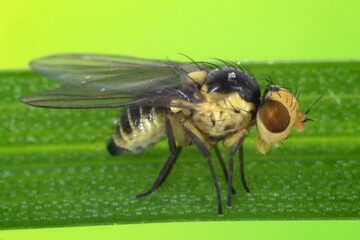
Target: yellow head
x,y
276,114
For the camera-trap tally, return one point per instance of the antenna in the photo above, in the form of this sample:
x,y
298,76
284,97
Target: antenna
x,y
313,105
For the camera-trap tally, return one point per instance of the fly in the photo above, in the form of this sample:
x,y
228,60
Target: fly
x,y
195,103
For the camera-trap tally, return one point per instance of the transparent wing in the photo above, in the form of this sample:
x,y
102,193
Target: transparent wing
x,y
105,81
109,72
83,97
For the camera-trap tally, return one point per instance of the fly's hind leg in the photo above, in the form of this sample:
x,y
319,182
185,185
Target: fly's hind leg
x,y
166,169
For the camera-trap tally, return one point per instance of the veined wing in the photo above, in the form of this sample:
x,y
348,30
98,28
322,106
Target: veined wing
x,y
109,72
105,81
83,98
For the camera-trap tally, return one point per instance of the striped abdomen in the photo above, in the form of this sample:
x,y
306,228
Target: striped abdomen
x,y
138,128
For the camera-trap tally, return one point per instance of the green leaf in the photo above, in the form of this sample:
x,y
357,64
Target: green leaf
x,y
55,171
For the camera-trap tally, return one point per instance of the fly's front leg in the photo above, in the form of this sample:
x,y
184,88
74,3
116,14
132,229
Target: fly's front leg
x,y
223,167
174,153
242,169
203,145
234,141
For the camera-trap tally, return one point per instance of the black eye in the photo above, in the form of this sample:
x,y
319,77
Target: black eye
x,y
229,80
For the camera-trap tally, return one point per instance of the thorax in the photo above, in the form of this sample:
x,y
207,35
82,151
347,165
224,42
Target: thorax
x,y
221,114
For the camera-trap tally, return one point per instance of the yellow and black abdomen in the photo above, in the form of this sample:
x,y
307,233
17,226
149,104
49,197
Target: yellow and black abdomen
x,y
138,128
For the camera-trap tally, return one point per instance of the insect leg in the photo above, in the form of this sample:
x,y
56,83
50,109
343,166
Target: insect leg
x,y
223,167
174,153
236,140
231,168
178,150
242,170
196,138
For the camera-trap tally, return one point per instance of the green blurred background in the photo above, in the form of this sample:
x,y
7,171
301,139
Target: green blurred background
x,y
234,30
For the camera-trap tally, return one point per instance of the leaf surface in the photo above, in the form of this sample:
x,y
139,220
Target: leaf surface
x,y
55,171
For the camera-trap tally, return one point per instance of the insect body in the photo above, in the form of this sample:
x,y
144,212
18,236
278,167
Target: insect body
x,y
138,128
194,103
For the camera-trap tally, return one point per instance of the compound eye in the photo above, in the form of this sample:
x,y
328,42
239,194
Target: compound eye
x,y
274,116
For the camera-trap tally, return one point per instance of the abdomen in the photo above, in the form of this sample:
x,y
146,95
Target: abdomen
x,y
138,128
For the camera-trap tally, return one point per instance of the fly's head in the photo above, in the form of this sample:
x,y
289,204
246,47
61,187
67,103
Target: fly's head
x,y
277,113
